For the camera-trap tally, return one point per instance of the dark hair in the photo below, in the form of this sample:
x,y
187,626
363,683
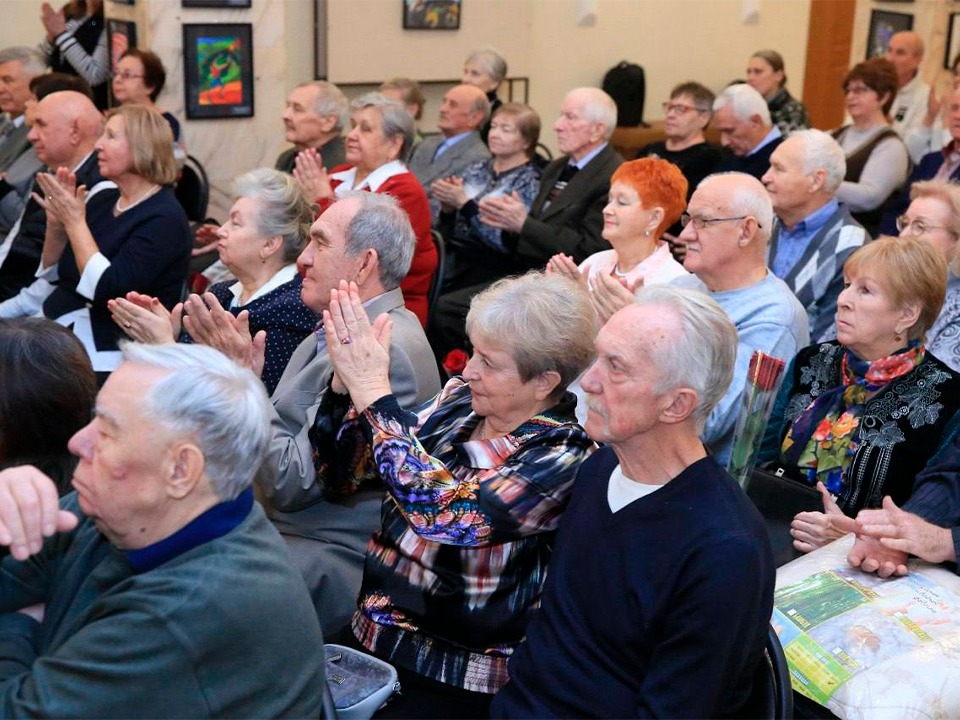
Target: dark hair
x,y
410,93
528,123
774,60
43,85
879,75
154,74
702,96
47,393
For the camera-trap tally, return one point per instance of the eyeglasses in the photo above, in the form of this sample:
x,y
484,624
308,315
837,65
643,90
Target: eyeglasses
x,y
679,109
857,90
918,227
126,75
699,223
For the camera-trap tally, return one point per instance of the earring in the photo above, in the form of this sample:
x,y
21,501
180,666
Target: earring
x,y
896,336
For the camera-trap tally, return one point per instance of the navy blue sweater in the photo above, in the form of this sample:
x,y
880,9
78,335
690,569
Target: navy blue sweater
x,y
658,610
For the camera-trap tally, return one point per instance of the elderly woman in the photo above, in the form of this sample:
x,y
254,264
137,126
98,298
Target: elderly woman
x,y
268,226
408,93
477,480
138,78
139,243
486,69
877,160
860,416
47,391
765,74
380,137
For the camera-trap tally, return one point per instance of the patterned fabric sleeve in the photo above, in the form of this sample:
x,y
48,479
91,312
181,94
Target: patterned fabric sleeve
x,y
480,182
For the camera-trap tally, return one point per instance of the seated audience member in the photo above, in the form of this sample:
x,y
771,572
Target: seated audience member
x,y
479,254
942,165
477,480
930,136
66,127
138,78
267,229
18,66
726,231
376,145
486,69
314,118
934,216
140,243
151,549
765,74
746,130
365,236
464,111
877,159
47,389
905,53
408,93
812,235
76,43
567,215
860,416
622,631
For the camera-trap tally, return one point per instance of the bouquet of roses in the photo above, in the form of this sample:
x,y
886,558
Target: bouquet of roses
x,y
759,392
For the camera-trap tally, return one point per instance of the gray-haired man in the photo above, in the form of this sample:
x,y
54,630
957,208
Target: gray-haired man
x,y
18,66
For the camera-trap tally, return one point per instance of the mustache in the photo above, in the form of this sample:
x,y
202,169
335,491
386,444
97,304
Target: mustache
x,y
593,405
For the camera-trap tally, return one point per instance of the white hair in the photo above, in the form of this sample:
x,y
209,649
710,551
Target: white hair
x,y
598,106
490,61
381,224
749,197
820,150
702,355
395,121
209,398
330,101
744,102
32,62
281,208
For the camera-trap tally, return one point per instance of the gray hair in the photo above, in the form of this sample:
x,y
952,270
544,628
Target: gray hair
x,y
750,197
490,61
396,121
32,61
702,355
599,107
211,399
330,101
381,224
546,321
281,208
744,102
820,150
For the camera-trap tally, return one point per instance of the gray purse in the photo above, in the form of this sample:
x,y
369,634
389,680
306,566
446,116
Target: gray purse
x,y
359,683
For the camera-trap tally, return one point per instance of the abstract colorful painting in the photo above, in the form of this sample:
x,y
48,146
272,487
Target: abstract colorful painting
x,y
431,14
121,36
218,67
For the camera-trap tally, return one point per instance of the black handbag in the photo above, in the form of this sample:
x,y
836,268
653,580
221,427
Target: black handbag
x,y
779,498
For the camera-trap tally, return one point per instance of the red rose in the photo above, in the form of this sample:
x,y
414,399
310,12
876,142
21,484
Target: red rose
x,y
764,370
455,362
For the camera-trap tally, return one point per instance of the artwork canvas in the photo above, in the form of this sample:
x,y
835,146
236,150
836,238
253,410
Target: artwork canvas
x,y
431,14
121,36
216,3
953,41
883,25
218,70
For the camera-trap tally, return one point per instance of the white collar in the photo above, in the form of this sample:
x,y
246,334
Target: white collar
x,y
373,181
911,86
19,120
283,275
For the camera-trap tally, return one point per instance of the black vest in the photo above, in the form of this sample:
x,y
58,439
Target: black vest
x,y
87,36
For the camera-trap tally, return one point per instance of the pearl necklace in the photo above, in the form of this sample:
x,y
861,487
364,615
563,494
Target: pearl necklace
x,y
149,193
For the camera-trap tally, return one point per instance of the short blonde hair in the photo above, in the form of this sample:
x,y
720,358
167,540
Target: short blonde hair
x,y
909,272
151,143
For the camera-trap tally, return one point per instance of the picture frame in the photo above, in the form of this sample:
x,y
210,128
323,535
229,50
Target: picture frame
x,y
121,36
431,14
218,70
884,24
123,2
320,40
216,3
953,40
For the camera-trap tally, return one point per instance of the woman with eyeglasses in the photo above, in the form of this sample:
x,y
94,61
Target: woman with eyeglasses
x,y
877,161
138,78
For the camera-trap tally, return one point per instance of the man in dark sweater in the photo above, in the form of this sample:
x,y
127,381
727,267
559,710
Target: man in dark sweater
x,y
158,588
660,590
746,130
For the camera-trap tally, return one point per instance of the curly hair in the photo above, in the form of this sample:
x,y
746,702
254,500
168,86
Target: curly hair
x,y
659,183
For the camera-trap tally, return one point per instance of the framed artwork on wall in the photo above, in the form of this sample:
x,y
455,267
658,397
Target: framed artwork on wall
x,y
320,39
216,3
953,40
123,2
431,14
884,24
218,70
121,36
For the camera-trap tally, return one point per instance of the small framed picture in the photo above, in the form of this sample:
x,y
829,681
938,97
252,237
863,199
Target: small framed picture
x,y
215,3
953,41
218,70
431,14
123,2
883,25
121,36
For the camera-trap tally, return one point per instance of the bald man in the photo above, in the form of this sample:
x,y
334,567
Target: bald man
x,y
66,126
464,111
905,51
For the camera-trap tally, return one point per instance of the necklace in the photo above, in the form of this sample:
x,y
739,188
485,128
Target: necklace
x,y
149,193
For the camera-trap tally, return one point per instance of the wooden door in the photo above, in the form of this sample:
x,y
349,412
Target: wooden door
x,y
828,60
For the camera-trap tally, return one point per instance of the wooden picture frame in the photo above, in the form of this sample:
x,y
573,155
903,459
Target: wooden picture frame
x,y
884,24
218,70
431,14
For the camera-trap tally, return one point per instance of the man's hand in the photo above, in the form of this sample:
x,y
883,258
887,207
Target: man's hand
x,y
907,533
811,530
870,556
506,213
30,511
208,323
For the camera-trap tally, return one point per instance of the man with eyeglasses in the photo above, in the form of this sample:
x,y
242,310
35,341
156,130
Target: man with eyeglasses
x,y
726,231
746,130
812,235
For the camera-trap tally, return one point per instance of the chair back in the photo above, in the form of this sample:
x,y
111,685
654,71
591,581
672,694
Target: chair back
x,y
771,695
193,190
437,284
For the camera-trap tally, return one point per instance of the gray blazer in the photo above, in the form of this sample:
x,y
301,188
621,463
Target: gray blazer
x,y
453,161
328,538
13,145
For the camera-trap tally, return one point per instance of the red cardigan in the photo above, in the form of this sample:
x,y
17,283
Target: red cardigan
x,y
409,193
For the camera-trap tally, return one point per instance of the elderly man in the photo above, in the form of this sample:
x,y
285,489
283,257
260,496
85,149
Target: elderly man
x,y
367,238
464,111
66,126
148,589
658,599
905,51
18,66
726,231
314,118
812,235
746,130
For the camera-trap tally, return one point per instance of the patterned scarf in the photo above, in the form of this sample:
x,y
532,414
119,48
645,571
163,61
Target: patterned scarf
x,y
823,438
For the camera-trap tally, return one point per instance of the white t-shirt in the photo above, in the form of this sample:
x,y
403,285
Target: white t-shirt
x,y
621,490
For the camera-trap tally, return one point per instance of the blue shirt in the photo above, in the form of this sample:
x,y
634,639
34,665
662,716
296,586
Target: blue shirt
x,y
767,139
450,142
582,162
793,243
